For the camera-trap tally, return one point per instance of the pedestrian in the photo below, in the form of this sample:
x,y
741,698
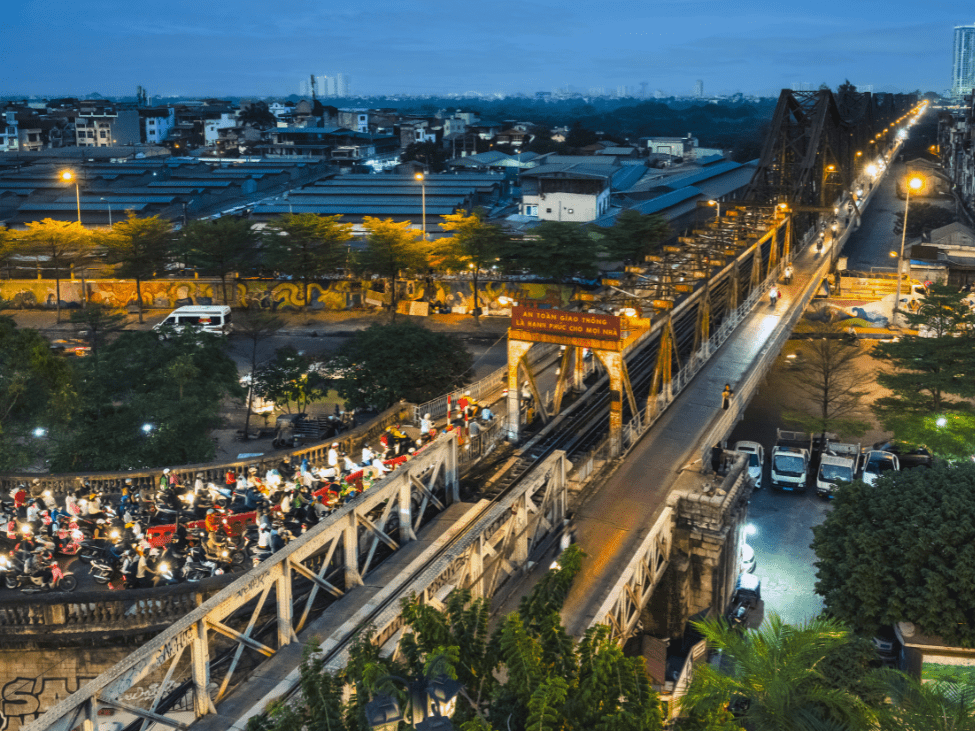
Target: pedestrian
x,y
726,397
773,295
426,424
788,274
333,456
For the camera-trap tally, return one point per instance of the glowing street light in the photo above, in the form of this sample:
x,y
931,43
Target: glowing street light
x,y
914,183
423,197
718,204
68,176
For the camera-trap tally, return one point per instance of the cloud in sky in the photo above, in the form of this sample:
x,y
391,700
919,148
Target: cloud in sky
x,y
435,46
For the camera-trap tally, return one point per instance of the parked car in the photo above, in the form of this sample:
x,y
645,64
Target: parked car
x,y
876,463
909,457
747,560
756,460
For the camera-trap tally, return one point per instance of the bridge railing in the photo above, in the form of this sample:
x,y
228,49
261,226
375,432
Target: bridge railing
x,y
112,482
333,556
487,389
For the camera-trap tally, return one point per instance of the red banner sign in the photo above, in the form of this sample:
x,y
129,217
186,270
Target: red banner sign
x,y
566,324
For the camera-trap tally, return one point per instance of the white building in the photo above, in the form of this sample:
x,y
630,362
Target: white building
x,y
963,62
212,127
158,122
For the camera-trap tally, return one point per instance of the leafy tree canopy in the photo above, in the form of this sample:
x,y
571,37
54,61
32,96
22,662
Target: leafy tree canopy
x,y
634,236
556,249
220,247
902,550
175,386
37,389
307,246
290,380
386,363
923,218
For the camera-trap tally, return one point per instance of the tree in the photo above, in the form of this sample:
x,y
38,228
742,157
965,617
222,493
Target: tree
x,y
556,249
776,669
515,677
289,379
928,370
98,321
255,325
922,218
152,402
257,115
60,242
935,706
475,245
140,247
902,550
37,389
392,249
829,377
307,246
634,236
386,363
579,136
220,247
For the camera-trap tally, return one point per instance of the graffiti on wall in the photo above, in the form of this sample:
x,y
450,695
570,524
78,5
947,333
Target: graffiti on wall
x,y
24,699
493,296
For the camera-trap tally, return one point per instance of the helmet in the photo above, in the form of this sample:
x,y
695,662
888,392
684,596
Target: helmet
x,y
335,444
154,552
166,471
426,416
100,522
128,480
36,481
211,511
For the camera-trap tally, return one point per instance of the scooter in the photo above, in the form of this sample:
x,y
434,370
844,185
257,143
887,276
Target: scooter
x,y
58,580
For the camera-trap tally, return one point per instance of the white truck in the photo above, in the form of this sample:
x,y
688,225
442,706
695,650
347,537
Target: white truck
x,y
838,463
790,460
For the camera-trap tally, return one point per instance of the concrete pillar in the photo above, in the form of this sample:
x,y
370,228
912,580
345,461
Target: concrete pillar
x,y
452,486
516,349
350,547
475,571
282,590
579,372
405,512
200,659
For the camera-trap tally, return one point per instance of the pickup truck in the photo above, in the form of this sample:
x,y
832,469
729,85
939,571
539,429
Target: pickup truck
x,y
838,463
790,460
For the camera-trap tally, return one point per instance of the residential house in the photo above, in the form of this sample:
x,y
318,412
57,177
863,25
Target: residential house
x,y
156,124
575,191
212,127
107,127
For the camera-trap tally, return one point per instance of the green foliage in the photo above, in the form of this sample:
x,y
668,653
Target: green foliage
x,y
307,246
37,388
392,249
97,322
176,384
385,363
926,371
902,550
433,156
140,248
776,669
475,245
220,247
935,706
59,243
545,705
923,218
556,249
634,236
290,380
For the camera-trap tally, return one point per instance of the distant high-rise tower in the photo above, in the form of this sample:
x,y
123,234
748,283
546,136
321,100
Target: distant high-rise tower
x,y
699,89
963,61
342,85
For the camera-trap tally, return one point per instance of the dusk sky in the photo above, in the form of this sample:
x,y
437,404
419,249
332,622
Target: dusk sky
x,y
246,47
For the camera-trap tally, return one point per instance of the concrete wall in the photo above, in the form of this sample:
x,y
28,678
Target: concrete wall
x,y
332,296
32,681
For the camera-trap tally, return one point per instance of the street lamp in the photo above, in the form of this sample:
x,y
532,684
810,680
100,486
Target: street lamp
x,y
423,193
718,204
68,176
109,210
916,184
432,701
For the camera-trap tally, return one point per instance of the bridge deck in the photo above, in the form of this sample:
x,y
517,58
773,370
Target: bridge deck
x,y
612,521
275,675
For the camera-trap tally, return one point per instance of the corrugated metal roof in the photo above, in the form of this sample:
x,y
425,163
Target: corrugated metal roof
x,y
119,200
628,176
73,206
711,171
660,203
378,199
352,210
709,160
588,170
187,183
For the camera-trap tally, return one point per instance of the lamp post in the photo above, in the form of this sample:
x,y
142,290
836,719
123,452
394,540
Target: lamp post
x,y
916,184
68,176
826,172
109,210
423,198
431,700
718,204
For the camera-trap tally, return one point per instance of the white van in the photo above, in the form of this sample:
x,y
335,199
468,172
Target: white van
x,y
209,318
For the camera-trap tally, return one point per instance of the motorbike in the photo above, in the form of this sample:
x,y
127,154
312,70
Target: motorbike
x,y
37,582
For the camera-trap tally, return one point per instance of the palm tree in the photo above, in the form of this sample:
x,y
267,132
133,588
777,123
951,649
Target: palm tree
x,y
776,671
934,706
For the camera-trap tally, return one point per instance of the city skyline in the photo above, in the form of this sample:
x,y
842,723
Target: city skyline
x,y
437,48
